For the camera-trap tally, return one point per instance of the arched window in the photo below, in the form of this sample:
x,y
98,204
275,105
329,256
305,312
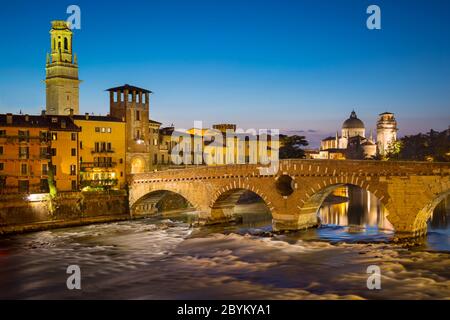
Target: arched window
x,y
66,45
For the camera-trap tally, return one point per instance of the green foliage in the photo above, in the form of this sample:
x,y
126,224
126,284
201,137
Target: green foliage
x,y
291,147
51,181
431,146
394,150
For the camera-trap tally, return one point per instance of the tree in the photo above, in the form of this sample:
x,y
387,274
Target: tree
x,y
290,147
431,146
393,150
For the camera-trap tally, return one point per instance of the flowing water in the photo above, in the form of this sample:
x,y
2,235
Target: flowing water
x,y
161,258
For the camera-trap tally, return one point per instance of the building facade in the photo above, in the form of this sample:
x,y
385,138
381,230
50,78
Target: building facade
x,y
31,147
101,151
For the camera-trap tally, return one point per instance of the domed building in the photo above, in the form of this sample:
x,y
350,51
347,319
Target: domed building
x,y
352,144
353,127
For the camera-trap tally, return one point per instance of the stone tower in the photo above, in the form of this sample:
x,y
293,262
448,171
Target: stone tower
x,y
386,131
132,105
62,83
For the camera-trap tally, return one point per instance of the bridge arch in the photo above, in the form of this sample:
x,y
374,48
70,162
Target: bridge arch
x,y
225,200
313,199
425,213
153,202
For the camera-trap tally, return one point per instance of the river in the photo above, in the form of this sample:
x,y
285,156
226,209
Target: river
x,y
166,258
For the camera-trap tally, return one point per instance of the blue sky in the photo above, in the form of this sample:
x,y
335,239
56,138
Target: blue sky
x,y
293,65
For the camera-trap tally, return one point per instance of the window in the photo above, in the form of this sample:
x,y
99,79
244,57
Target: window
x,y
74,185
43,136
97,147
81,144
66,45
109,146
1,150
2,133
54,120
155,159
74,136
155,142
23,168
23,186
23,152
54,136
2,166
73,170
54,172
43,153
54,152
138,115
24,135
121,173
44,185
2,182
44,169
74,152
109,130
103,130
120,160
97,129
162,158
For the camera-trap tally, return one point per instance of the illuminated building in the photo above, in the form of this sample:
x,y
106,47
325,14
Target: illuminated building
x,y
102,151
31,146
62,83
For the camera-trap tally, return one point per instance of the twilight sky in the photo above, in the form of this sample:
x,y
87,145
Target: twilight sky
x,y
292,65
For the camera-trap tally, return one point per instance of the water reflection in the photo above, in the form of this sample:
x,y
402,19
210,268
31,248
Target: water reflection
x,y
352,214
353,206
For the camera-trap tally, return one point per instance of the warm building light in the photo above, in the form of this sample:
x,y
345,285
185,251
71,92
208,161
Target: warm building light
x,y
37,197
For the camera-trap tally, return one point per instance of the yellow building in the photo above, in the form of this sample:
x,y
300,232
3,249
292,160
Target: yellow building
x,y
102,151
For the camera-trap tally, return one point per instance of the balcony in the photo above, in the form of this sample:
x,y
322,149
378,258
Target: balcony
x,y
107,151
99,183
91,165
25,139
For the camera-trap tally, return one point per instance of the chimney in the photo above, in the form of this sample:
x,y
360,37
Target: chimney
x,y
9,118
86,116
43,113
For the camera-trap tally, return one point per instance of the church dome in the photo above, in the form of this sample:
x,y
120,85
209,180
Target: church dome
x,y
353,122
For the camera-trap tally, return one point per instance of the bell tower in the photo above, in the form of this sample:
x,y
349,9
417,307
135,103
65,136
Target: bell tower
x,y
386,132
62,83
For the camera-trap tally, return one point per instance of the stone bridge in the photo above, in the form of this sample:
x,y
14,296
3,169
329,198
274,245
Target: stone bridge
x,y
408,190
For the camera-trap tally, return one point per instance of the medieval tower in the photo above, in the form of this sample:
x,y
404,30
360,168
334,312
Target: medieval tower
x,y
386,131
62,83
132,105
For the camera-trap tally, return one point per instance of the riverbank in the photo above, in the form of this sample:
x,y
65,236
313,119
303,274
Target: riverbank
x,y
20,214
